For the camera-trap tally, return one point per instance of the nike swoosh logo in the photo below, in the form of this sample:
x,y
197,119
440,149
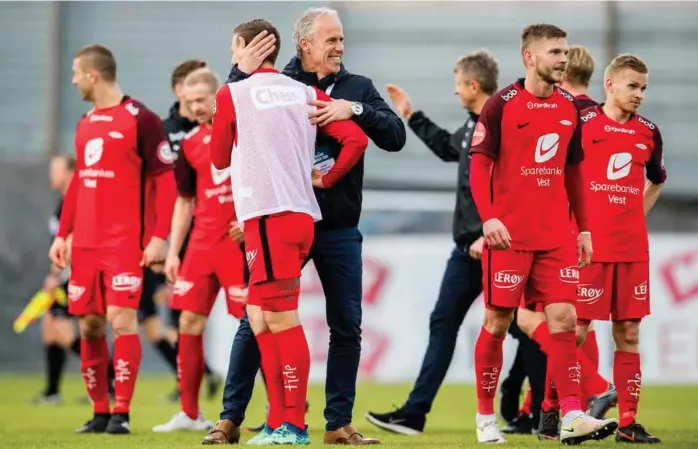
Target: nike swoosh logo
x,y
597,140
523,125
396,421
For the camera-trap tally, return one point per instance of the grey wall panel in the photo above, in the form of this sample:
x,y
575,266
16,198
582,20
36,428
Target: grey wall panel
x,y
23,46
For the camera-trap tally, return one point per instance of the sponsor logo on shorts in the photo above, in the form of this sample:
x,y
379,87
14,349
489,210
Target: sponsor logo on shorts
x,y
508,279
182,287
641,291
126,282
237,294
588,293
569,275
75,292
250,256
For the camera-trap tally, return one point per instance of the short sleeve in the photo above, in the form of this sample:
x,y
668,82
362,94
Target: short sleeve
x,y
185,175
575,152
152,144
656,172
488,130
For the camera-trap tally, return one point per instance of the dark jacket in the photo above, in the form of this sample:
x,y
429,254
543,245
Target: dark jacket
x,y
467,226
341,204
176,127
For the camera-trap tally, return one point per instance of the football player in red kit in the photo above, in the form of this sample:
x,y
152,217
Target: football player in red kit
x,y
524,175
621,147
113,211
213,260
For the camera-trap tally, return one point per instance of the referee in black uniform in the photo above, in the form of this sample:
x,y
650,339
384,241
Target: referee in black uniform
x,y
475,81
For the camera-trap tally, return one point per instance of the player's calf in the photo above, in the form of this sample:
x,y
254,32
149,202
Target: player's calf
x,y
127,360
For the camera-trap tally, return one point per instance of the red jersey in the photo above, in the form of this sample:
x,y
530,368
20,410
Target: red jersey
x,y
616,157
198,177
120,152
531,141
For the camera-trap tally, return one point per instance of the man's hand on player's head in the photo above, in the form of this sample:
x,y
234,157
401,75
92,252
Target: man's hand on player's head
x,y
317,179
584,249
330,111
59,253
475,249
235,232
496,234
402,101
172,268
256,51
155,253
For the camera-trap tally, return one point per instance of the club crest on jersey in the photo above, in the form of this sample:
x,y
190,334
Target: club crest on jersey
x,y
93,151
219,176
619,166
546,147
165,153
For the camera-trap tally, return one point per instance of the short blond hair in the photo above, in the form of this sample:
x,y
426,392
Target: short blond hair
x,y
540,31
203,75
482,66
626,61
580,66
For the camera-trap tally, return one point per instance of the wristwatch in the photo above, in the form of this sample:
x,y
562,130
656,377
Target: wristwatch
x,y
357,108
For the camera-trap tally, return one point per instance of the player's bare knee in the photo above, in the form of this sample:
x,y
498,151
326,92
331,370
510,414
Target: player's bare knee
x,y
561,317
528,320
626,335
191,323
65,335
123,321
280,321
497,321
92,327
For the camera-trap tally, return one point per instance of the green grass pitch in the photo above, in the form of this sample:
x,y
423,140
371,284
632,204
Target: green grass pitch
x,y
669,412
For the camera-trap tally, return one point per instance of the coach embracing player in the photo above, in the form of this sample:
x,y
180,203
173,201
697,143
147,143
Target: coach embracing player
x,y
336,251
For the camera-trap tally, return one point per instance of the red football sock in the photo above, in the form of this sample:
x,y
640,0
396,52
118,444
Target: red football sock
x,y
565,370
627,375
294,356
526,407
592,382
271,367
550,400
191,367
488,365
94,362
591,348
127,360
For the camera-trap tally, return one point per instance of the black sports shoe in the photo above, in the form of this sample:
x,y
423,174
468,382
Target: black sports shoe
x,y
522,425
98,424
118,424
601,404
398,422
260,427
509,401
549,426
635,433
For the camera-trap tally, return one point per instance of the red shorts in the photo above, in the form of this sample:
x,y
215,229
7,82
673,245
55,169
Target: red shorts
x,y
532,305
545,277
203,273
101,278
619,290
276,247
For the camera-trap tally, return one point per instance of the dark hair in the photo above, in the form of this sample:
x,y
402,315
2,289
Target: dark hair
x,y
98,57
67,159
248,30
185,68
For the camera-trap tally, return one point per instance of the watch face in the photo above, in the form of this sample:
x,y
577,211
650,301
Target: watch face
x,y
357,108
